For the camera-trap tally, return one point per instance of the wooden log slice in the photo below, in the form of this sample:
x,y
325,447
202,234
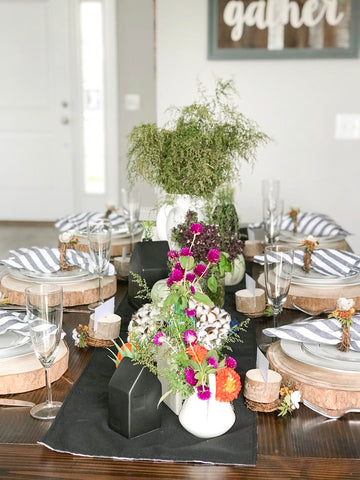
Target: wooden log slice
x,y
22,374
314,298
326,388
77,293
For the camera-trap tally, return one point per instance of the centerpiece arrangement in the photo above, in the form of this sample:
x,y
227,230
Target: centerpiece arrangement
x,y
186,339
196,153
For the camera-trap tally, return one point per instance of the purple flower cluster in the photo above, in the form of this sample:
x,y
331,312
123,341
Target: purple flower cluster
x,y
190,337
230,362
190,376
203,392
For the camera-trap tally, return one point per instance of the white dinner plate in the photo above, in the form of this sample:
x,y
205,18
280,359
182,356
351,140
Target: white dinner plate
x,y
13,345
119,232
322,355
61,276
313,278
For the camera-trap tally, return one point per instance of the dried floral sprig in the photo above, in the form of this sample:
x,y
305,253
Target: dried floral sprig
x,y
290,399
80,335
344,312
309,244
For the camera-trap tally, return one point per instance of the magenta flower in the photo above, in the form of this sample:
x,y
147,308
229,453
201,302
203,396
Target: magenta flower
x,y
178,266
230,362
203,392
190,337
190,313
190,277
159,338
212,362
192,289
190,376
199,269
177,275
186,252
169,282
173,255
213,256
196,228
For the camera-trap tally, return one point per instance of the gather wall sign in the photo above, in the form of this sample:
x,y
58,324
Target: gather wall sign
x,y
283,29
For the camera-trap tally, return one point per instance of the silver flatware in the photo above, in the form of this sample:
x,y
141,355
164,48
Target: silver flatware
x,y
12,402
334,414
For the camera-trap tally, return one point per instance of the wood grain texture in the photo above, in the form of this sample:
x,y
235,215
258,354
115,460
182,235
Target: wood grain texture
x,y
77,293
302,446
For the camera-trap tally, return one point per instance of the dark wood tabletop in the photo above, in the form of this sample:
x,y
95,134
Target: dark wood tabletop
x,y
302,446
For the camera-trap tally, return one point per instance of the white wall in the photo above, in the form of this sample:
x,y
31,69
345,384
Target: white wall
x,y
294,101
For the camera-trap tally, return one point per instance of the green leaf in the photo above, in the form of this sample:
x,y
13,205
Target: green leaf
x,y
212,284
201,297
171,299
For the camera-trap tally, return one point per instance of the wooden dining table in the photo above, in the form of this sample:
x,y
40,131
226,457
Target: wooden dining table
x,y
302,445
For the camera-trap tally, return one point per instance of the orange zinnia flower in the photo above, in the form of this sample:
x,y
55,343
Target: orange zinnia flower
x,y
197,353
228,385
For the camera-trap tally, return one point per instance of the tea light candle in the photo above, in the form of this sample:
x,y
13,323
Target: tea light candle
x,y
108,327
255,386
252,248
249,304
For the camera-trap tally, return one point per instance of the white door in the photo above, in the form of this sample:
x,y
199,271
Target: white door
x,y
35,110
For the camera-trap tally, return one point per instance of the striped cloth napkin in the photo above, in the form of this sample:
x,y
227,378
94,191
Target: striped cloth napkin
x,y
315,224
317,331
78,222
326,261
46,260
15,321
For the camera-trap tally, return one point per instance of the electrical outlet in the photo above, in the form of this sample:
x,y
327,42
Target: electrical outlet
x,y
347,126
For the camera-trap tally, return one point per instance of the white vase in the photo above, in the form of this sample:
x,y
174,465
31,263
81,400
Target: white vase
x,y
238,271
207,418
173,400
169,216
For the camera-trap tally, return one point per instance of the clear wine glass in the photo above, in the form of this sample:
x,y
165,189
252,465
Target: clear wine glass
x,y
278,268
272,217
44,310
131,207
99,242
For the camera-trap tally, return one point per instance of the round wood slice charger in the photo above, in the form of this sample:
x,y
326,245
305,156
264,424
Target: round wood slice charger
x,y
81,292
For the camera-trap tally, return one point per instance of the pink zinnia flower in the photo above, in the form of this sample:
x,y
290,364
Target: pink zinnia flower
x,y
203,392
199,269
196,228
190,313
213,256
159,338
230,362
212,362
190,337
186,252
190,376
190,277
177,275
173,255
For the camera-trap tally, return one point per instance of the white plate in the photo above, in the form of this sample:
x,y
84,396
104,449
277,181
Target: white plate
x,y
322,355
288,236
300,277
60,276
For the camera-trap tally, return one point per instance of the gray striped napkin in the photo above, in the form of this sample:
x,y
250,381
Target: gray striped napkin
x,y
326,261
78,222
46,260
315,224
15,321
317,331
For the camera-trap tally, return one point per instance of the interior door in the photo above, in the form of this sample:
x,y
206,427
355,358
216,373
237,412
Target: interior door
x,y
35,110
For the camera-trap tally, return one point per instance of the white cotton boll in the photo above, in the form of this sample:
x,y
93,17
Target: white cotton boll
x,y
345,303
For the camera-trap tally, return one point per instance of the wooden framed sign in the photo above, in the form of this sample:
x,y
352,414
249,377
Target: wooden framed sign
x,y
264,29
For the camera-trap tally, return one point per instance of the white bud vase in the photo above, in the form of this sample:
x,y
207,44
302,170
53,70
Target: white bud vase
x,y
207,418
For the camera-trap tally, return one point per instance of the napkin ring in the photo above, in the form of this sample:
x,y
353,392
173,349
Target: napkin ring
x,y
62,261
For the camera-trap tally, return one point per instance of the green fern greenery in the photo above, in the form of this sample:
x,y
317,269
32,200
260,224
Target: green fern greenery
x,y
199,150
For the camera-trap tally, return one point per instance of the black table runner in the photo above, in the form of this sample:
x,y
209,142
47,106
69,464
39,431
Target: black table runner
x,y
81,426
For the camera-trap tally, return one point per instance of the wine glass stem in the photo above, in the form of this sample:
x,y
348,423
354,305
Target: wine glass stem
x,y
100,290
276,317
48,386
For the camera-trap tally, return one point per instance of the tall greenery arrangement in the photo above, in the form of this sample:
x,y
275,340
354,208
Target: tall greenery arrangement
x,y
200,149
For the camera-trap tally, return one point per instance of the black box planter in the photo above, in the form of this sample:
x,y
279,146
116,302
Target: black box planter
x,y
149,260
134,393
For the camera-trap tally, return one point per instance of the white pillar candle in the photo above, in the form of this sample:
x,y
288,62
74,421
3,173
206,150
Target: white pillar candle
x,y
108,327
